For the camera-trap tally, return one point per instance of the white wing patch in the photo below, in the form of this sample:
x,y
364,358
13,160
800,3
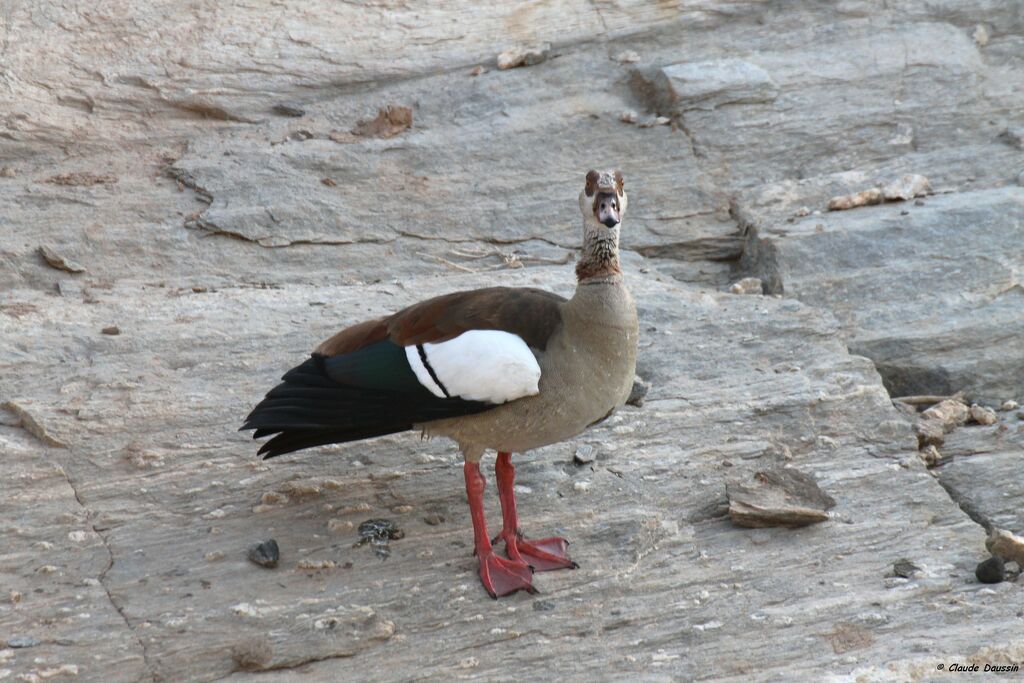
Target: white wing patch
x,y
479,365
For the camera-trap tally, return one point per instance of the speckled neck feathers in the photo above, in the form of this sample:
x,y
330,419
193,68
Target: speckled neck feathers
x,y
600,254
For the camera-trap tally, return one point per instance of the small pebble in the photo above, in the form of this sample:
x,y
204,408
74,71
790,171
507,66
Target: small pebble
x,y
265,554
748,285
543,606
992,570
627,57
112,330
983,415
585,454
1009,404
523,56
980,35
433,518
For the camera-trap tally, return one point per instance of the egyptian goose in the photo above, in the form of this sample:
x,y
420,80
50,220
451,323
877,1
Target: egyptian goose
x,y
508,369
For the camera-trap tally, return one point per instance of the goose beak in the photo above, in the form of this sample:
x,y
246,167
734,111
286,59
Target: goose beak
x,y
608,209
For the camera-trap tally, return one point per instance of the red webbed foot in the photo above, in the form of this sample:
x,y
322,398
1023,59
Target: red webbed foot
x,y
542,554
502,577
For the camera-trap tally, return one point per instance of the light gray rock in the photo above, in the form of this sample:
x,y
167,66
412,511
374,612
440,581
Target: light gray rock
x,y
708,85
981,471
816,132
906,187
928,319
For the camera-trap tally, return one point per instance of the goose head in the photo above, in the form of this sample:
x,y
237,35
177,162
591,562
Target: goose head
x,y
603,199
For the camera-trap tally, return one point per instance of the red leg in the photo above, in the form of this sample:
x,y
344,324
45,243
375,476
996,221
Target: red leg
x,y
543,554
499,576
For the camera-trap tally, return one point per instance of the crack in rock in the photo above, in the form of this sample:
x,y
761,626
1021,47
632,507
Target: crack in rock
x,y
967,505
102,578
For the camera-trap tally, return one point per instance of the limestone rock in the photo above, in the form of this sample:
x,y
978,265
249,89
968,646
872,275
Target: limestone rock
x,y
906,187
1006,545
950,414
886,273
747,285
59,261
852,201
983,415
705,85
779,497
523,56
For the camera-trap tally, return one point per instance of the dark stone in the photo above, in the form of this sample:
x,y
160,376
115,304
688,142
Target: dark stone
x,y
543,605
992,570
265,554
904,568
112,330
638,392
288,110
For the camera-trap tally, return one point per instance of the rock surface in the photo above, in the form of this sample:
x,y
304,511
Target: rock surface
x,y
930,293
200,163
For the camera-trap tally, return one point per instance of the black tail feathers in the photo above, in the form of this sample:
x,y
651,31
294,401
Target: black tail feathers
x,y
309,408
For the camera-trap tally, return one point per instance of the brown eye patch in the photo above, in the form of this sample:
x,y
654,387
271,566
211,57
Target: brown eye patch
x,y
592,178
